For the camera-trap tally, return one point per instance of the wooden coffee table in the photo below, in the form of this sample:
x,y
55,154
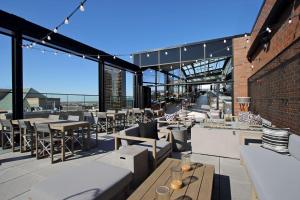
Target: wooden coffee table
x,y
197,183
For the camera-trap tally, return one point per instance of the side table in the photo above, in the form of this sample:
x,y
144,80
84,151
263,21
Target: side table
x,y
131,157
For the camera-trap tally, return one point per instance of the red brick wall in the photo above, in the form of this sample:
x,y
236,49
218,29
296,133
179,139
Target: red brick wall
x,y
241,69
275,79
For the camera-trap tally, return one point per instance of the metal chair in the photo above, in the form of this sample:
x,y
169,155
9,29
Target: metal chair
x,y
120,120
46,141
102,121
27,136
9,132
93,121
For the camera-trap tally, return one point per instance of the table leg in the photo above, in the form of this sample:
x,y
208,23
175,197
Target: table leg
x,y
63,153
31,142
71,133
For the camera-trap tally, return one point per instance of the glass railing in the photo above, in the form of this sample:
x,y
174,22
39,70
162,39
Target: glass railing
x,y
35,101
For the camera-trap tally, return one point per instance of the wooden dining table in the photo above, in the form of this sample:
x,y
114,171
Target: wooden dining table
x,y
63,127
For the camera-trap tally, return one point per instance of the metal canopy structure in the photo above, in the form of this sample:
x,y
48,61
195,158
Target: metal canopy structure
x,y
196,61
20,29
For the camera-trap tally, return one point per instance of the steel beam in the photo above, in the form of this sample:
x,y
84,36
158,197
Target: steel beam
x,y
17,76
101,88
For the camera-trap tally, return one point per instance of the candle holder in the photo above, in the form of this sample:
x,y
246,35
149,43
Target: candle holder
x,y
186,163
162,193
176,178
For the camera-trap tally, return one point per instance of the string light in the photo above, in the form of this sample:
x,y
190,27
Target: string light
x,y
55,53
66,20
114,57
98,57
210,55
247,40
148,55
228,48
83,56
33,44
55,30
48,37
184,49
69,55
245,35
268,29
43,41
225,41
290,20
130,56
204,45
43,51
81,7
252,66
166,53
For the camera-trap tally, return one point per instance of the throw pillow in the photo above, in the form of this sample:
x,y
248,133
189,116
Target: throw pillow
x,y
276,139
148,130
170,117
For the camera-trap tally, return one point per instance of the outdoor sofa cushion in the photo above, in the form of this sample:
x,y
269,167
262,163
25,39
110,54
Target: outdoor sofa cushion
x,y
93,180
162,147
275,176
148,130
132,131
294,146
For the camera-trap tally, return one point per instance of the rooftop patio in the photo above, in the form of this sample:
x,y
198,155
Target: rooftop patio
x,y
215,119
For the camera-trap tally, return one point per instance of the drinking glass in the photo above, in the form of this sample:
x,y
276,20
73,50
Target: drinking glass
x,y
162,193
176,178
186,163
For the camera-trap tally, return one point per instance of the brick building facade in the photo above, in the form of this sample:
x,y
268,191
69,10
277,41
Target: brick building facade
x,y
274,82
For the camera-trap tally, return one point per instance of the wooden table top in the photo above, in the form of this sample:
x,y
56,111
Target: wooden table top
x,y
197,182
61,125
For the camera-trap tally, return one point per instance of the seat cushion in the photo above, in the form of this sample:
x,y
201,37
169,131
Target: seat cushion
x,y
132,131
162,147
93,180
294,146
275,176
148,130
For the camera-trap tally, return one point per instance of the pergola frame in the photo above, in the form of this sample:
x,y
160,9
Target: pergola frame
x,y
20,29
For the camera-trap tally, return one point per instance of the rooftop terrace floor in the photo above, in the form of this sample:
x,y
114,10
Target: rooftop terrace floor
x,y
19,171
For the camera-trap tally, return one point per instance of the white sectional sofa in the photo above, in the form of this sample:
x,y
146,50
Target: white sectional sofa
x,y
274,176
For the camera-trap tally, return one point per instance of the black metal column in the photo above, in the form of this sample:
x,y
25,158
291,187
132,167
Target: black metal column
x,y
138,83
218,93
17,76
101,88
155,85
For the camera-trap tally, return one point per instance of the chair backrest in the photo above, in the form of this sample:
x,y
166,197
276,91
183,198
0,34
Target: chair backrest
x,y
6,123
111,111
73,117
24,124
54,117
120,116
42,128
101,115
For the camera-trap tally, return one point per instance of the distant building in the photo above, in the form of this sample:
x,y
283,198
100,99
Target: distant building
x,y
32,100
115,88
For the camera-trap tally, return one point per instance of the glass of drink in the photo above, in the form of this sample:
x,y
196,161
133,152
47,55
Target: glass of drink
x,y
162,193
176,178
186,163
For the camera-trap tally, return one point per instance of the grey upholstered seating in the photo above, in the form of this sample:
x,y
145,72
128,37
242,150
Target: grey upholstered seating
x,y
274,176
91,181
158,149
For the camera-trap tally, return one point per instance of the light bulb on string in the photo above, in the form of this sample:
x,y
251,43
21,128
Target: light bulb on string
x,y
66,20
204,45
247,40
148,55
224,41
245,35
33,44
130,56
81,7
290,20
43,51
166,53
184,49
228,48
252,66
55,30
43,41
114,57
83,56
55,53
210,55
48,37
98,57
268,29
69,55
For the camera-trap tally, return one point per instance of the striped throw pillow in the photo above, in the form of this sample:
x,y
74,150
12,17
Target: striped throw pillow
x,y
276,139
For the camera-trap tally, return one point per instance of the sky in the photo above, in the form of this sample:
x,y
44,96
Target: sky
x,y
117,27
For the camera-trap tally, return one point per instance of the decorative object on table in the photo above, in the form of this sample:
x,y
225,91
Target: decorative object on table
x,y
276,139
176,178
186,163
162,193
244,103
179,134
